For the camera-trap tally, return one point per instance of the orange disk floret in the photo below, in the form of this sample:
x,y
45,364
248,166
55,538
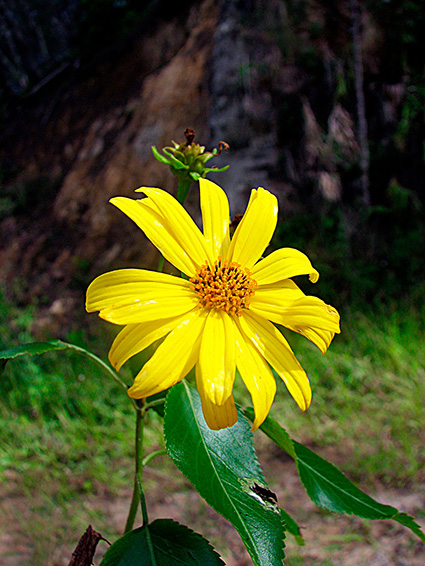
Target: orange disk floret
x,y
225,286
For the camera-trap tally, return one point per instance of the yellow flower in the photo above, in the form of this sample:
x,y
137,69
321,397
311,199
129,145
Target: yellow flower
x,y
222,317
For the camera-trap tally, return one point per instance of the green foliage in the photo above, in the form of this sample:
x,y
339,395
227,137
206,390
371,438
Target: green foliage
x,y
161,543
412,112
57,412
187,161
34,348
364,257
367,394
327,486
223,467
403,24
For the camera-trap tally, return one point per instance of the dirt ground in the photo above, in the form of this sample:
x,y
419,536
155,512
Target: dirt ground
x,y
330,540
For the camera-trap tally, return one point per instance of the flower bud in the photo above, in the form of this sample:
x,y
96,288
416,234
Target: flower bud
x,y
187,160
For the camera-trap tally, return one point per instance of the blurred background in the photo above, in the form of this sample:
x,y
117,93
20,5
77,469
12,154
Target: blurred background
x,y
323,104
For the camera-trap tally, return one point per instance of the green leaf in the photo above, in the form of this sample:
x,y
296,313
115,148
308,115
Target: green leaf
x,y
275,432
159,157
292,527
161,543
282,439
31,349
223,467
410,523
42,347
328,487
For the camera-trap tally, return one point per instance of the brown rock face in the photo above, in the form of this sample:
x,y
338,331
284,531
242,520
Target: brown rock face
x,y
155,92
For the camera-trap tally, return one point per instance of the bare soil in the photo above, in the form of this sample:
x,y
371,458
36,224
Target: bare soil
x,y
330,540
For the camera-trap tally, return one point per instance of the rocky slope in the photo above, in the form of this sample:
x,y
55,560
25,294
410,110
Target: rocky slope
x,y
274,82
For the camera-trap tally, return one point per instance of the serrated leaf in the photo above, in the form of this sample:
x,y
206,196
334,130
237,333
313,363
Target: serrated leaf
x,y
292,527
329,488
282,439
34,348
275,432
223,467
161,543
410,523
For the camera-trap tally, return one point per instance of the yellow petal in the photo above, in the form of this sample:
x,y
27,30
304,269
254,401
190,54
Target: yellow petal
x,y
157,229
315,320
217,357
256,375
216,417
104,289
181,226
173,359
321,338
134,338
129,296
255,230
215,217
276,350
299,315
284,292
283,264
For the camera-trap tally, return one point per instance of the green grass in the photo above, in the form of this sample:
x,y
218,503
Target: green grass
x,y
368,392
66,439
66,430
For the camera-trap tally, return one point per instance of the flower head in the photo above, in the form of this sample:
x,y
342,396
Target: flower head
x,y
222,317
187,160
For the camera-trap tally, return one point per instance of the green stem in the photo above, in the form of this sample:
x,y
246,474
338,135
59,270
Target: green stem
x,y
145,517
161,264
146,524
155,403
111,372
153,455
182,190
137,492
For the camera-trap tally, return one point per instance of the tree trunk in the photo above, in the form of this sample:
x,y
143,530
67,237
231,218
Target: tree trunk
x,y
360,100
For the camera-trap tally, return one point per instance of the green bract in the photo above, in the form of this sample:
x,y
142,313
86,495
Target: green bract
x,y
187,162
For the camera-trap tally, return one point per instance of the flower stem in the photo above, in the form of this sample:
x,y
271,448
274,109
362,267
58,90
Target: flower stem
x,y
182,190
111,372
137,486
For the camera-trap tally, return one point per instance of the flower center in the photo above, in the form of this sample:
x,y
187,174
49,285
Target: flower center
x,y
226,286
